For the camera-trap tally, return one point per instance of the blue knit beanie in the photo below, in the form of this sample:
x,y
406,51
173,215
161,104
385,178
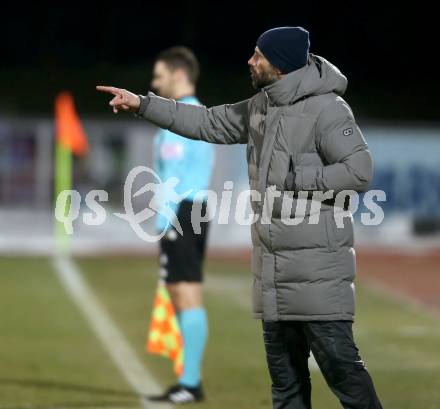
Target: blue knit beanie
x,y
286,48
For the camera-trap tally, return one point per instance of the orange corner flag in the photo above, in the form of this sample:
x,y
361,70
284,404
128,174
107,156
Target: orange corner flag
x,y
69,130
70,139
164,336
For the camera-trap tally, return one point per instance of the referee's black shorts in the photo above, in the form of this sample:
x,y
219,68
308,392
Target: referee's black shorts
x,y
181,257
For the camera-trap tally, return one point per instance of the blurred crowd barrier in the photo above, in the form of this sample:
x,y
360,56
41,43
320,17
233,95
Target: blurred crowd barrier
x,y
406,168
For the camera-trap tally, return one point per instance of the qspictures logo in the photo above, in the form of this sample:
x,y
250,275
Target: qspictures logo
x,y
165,197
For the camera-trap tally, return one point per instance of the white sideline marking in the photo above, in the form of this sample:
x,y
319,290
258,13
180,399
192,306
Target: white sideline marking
x,y
313,366
123,356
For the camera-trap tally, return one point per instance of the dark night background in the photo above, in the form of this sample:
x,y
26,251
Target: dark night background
x,y
388,52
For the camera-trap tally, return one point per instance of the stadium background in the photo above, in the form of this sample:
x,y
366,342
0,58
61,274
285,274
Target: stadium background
x,y
49,355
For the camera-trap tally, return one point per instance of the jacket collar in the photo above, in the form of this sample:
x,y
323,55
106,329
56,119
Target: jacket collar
x,y
286,90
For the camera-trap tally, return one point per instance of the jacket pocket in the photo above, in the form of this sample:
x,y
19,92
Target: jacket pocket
x,y
332,242
289,182
344,234
252,167
250,152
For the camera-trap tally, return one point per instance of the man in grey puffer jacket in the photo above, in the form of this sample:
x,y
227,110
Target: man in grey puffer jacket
x,y
303,144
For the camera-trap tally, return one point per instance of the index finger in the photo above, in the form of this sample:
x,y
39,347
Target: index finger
x,y
109,90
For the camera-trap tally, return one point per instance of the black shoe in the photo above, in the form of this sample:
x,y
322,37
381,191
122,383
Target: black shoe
x,y
179,394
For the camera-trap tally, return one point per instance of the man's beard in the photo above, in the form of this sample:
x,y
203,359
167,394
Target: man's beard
x,y
263,79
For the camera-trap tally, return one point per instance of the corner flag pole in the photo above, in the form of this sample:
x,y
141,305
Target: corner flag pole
x,y
70,139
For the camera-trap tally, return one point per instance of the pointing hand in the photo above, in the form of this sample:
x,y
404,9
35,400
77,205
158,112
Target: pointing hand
x,y
122,99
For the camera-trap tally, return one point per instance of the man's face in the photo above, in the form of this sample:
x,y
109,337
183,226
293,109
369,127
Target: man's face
x,y
263,73
163,81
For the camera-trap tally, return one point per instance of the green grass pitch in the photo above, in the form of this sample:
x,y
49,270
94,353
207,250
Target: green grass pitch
x,y
50,358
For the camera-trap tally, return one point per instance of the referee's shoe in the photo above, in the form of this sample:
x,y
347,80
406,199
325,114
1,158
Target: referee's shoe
x,y
180,394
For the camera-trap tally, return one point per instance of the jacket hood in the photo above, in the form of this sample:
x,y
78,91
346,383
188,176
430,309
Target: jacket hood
x,y
317,77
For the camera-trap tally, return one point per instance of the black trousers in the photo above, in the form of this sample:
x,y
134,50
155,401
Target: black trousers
x,y
288,345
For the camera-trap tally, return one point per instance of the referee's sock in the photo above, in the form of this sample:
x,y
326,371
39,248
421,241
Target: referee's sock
x,y
194,327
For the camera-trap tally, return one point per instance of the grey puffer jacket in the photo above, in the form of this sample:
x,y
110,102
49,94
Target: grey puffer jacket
x,y
301,136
